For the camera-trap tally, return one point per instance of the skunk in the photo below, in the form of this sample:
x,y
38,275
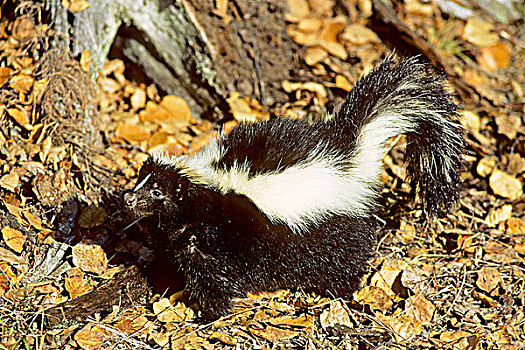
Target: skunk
x,y
288,203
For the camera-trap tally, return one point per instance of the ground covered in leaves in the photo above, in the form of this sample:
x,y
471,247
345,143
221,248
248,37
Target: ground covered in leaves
x,y
71,139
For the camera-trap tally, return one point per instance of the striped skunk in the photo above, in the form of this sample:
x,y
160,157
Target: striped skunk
x,y
286,203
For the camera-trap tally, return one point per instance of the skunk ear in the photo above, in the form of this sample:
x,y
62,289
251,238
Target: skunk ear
x,y
146,167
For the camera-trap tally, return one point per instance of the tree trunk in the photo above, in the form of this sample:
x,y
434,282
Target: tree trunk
x,y
189,49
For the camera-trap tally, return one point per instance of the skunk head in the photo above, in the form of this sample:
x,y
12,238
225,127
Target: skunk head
x,y
158,193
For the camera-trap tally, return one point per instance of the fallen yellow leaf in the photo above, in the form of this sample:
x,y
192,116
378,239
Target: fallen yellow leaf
x,y
499,215
138,98
374,296
301,322
335,315
479,33
342,83
10,181
420,308
406,232
505,185
486,165
224,338
310,25
90,338
75,5
357,34
16,212
298,9
33,220
90,257
489,279
300,37
495,57
244,109
76,283
332,28
132,133
13,238
508,125
405,328
23,28
453,335
164,311
515,225
5,73
20,117
113,66
177,108
86,60
334,48
45,236
22,82
387,275
314,55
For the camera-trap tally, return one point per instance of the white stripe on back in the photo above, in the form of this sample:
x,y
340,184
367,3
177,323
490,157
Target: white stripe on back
x,y
309,192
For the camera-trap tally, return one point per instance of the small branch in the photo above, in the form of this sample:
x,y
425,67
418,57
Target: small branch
x,y
127,288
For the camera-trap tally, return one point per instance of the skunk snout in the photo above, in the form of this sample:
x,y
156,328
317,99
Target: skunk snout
x,y
130,199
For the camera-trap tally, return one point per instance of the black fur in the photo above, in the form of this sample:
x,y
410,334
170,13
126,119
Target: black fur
x,y
226,246
435,147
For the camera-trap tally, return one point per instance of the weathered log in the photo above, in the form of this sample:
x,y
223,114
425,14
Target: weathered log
x,y
125,289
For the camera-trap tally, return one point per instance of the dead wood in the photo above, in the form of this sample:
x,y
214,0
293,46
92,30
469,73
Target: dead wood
x,y
125,289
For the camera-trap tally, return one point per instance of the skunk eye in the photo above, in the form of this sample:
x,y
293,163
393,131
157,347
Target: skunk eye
x,y
156,193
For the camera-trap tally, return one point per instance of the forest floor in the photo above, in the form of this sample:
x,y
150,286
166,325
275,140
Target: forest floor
x,y
72,139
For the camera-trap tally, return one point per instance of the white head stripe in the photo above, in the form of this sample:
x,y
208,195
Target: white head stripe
x,y
142,183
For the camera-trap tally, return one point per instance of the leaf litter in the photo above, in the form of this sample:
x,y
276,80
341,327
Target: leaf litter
x,y
455,284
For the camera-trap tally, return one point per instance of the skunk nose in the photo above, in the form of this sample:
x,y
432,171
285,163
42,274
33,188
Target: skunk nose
x,y
130,199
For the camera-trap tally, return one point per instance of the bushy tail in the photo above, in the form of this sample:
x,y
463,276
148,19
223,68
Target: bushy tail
x,y
409,98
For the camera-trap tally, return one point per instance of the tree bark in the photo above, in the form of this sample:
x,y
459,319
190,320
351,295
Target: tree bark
x,y
189,51
126,289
